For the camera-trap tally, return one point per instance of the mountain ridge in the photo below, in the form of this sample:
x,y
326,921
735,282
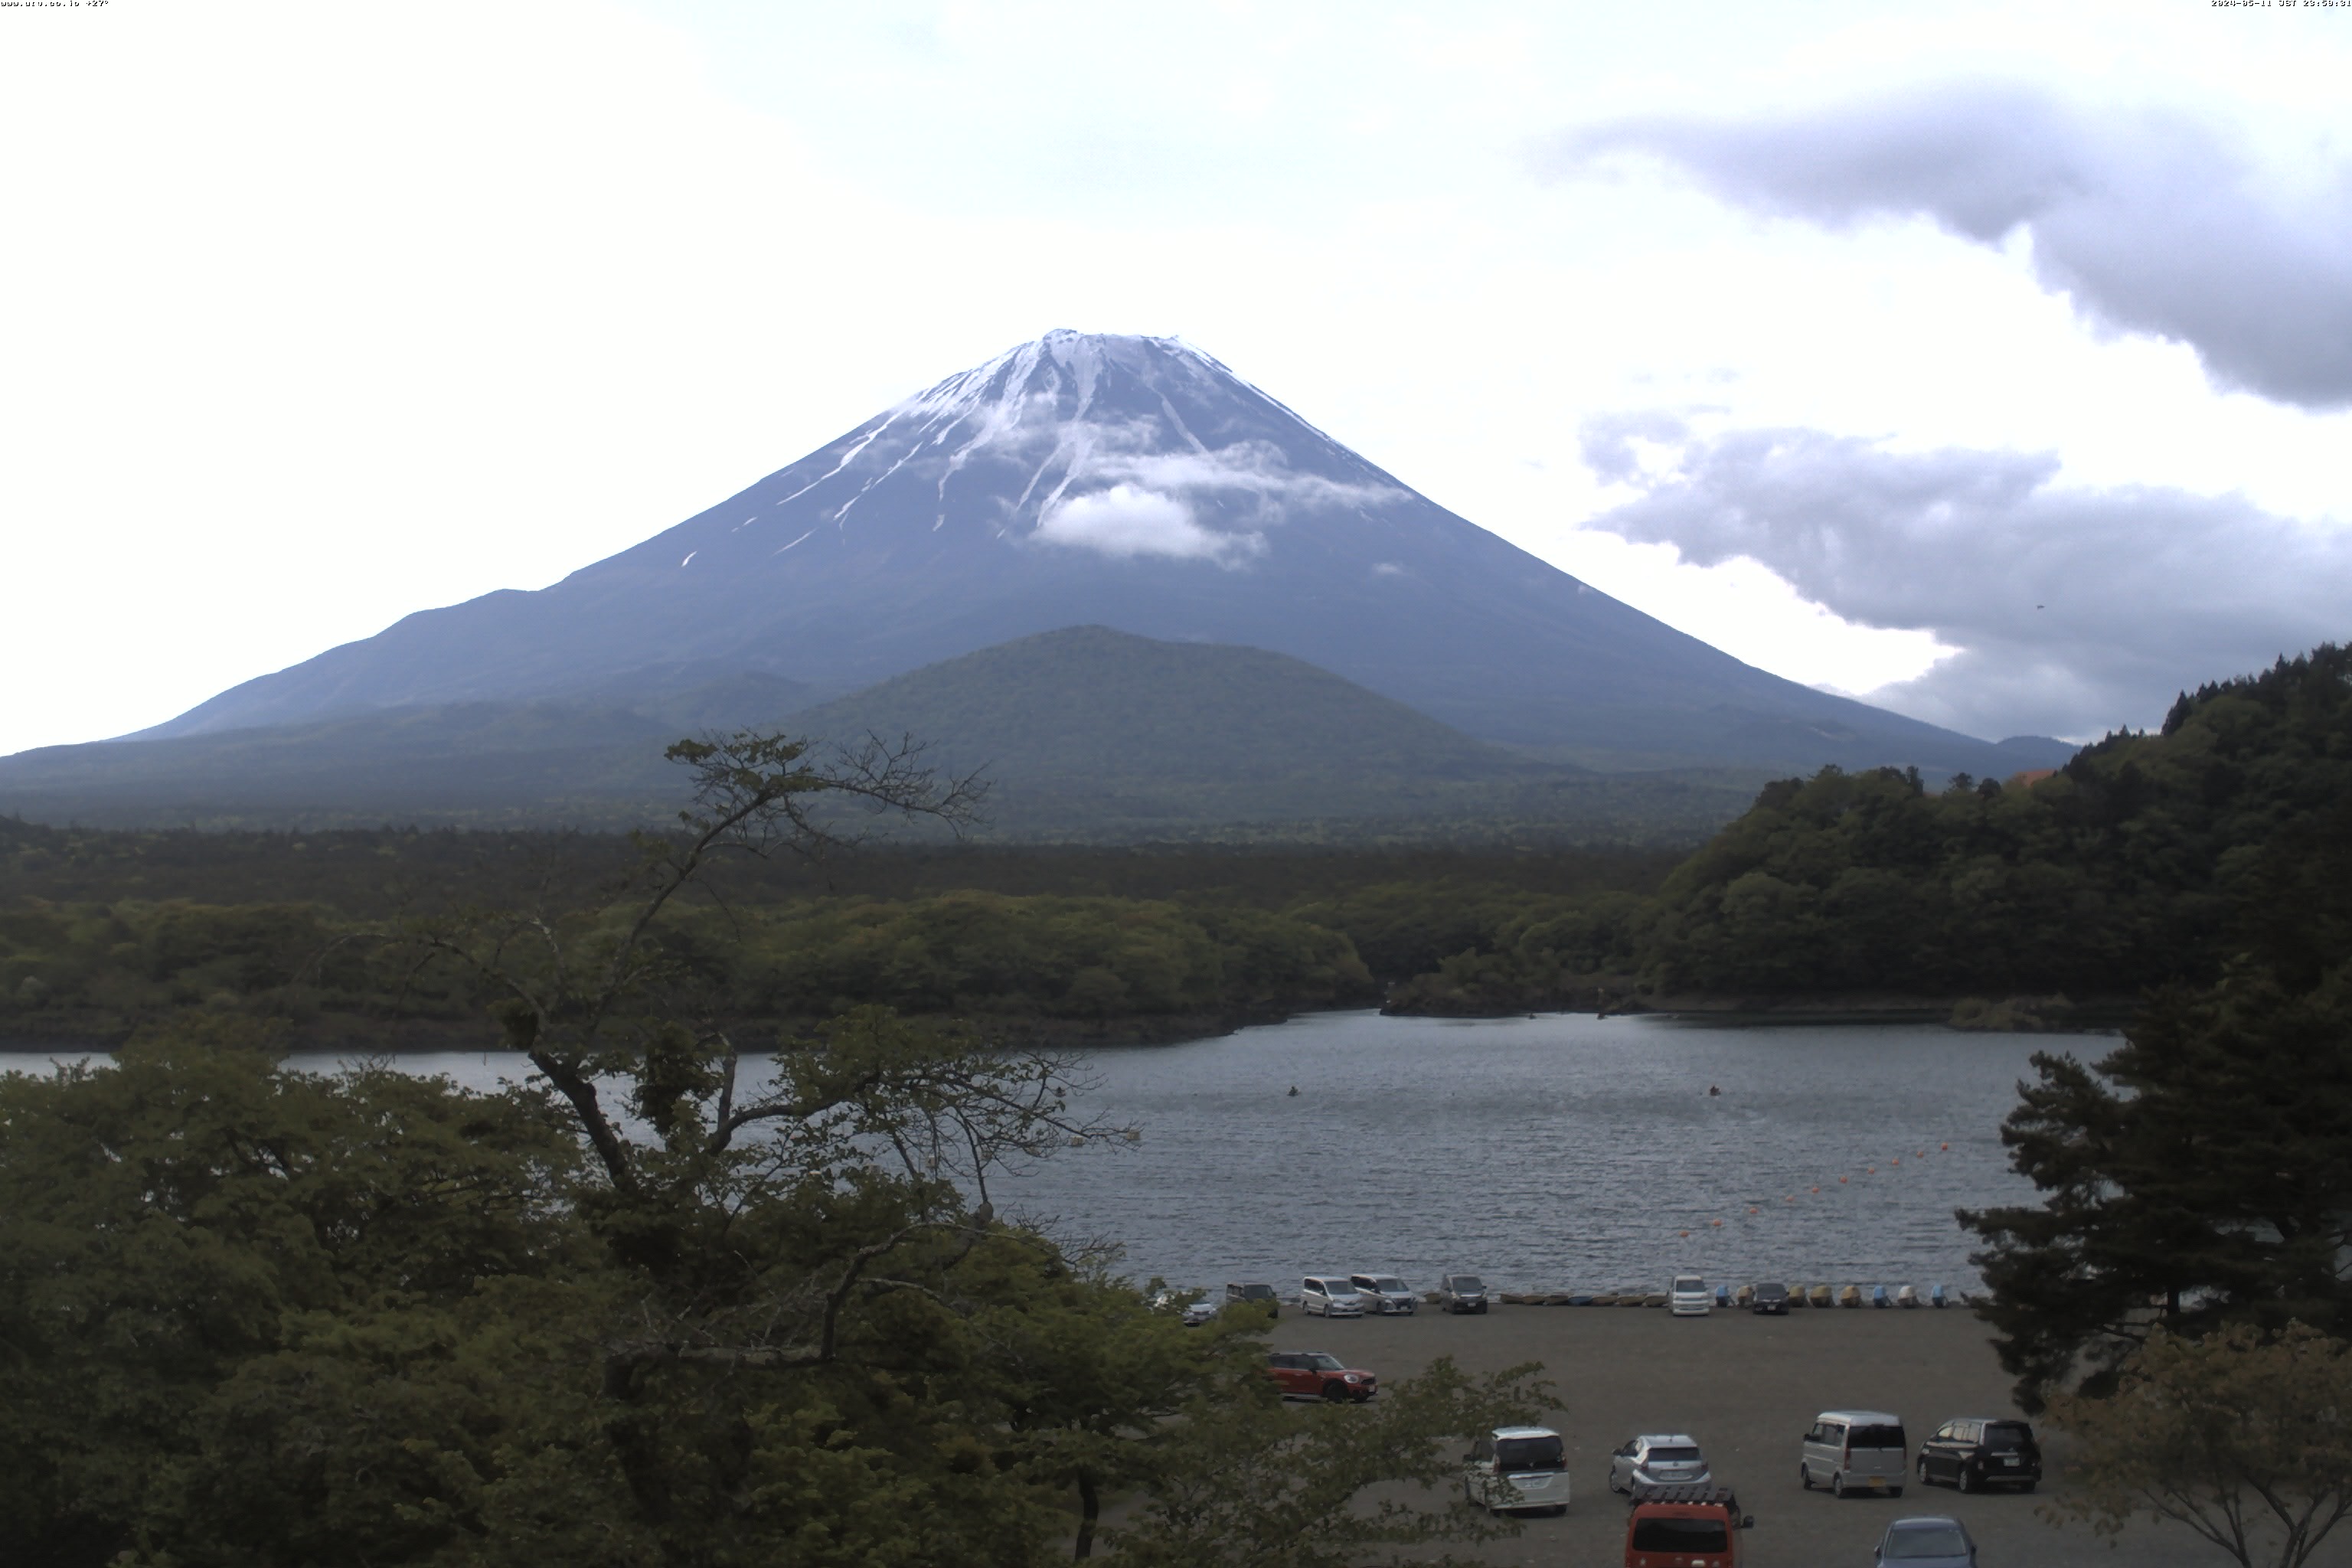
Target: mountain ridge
x,y
1139,484
1086,733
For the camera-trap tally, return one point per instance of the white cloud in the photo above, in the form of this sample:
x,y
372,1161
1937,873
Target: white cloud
x,y
2159,220
1127,520
2071,609
1256,468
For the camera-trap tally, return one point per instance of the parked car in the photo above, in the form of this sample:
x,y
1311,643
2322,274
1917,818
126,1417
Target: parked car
x,y
1854,1451
1656,1460
1974,1452
1329,1296
1462,1293
1312,1374
1514,1467
1201,1310
1685,1527
1926,1543
1772,1300
1384,1293
1689,1296
1260,1297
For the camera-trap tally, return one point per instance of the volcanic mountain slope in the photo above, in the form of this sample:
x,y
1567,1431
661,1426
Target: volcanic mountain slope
x,y
1128,482
543,760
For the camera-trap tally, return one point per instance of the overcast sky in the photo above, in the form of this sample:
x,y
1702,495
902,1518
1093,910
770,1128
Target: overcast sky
x,y
1995,362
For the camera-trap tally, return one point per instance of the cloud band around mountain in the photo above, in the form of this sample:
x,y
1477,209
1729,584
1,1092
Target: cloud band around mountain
x,y
1127,520
2073,610
1149,498
2152,221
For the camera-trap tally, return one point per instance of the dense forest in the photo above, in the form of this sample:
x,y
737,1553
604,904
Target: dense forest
x,y
2131,865
102,930
2146,858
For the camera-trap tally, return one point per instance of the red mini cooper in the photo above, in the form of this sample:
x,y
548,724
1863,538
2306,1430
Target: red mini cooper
x,y
1311,1375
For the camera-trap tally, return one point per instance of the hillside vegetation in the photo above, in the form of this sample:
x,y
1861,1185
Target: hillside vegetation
x,y
100,931
2146,858
2125,868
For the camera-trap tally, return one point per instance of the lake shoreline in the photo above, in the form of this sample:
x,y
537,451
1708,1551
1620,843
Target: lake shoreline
x,y
2006,1014
360,1034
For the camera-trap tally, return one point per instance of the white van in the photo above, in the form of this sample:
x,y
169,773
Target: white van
x,y
1329,1296
1517,1467
1689,1296
1855,1451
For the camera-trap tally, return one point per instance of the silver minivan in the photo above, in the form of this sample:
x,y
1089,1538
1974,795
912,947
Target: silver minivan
x,y
1329,1296
1384,1293
1852,1451
1514,1467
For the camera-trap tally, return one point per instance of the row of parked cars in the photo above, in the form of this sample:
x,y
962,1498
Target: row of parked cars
x,y
1681,1518
1346,1296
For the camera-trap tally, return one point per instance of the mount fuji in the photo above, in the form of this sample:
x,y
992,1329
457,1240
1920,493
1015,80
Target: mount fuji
x,y
1132,483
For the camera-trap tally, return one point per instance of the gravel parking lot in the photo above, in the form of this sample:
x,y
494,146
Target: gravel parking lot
x,y
1747,1387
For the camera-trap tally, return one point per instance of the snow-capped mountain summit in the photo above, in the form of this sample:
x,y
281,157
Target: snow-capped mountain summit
x,y
1095,430
1130,482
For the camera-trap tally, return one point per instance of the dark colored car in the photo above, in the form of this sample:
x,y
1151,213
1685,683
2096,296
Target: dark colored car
x,y
1771,1296
1311,1375
1462,1293
1262,1296
1972,1453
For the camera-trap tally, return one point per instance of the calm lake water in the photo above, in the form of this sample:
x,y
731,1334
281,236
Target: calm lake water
x,y
1556,1153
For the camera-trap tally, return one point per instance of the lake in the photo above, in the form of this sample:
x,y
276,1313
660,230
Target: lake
x,y
1561,1151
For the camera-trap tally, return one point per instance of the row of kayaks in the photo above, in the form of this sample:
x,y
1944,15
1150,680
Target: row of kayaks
x,y
1745,1296
1845,1295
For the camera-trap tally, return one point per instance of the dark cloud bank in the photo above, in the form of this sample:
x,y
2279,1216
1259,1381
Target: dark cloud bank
x,y
2152,221
2076,610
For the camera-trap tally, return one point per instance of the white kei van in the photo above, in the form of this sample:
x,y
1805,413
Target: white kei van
x,y
1853,1451
1329,1296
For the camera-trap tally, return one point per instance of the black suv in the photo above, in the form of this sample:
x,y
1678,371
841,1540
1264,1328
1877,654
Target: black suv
x,y
1771,1296
1972,1454
1462,1293
1262,1296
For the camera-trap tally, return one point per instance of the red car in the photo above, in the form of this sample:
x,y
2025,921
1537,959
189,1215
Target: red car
x,y
1311,1375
